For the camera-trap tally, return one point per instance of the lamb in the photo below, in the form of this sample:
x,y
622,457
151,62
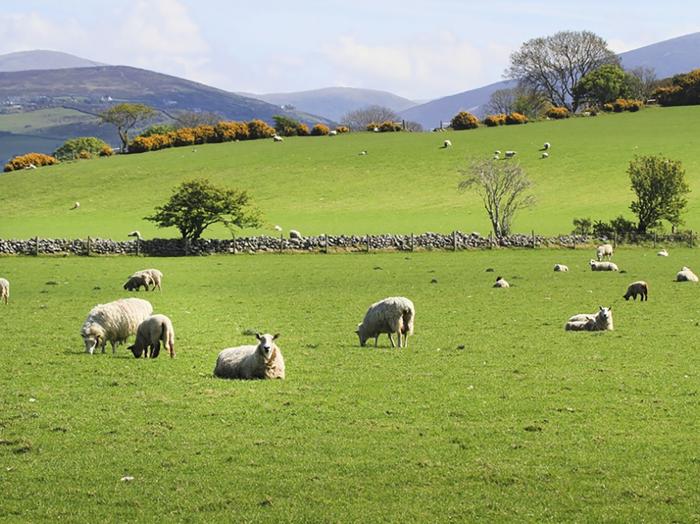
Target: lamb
x,y
136,234
686,275
510,154
561,268
151,276
605,250
446,144
294,234
545,155
546,146
4,290
277,138
135,282
252,362
601,321
150,333
603,266
501,282
662,253
637,288
390,315
76,205
333,133
113,322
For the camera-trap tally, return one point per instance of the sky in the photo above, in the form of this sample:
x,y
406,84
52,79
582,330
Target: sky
x,y
416,49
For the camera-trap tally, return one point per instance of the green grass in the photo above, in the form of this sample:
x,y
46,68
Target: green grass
x,y
405,183
526,423
38,121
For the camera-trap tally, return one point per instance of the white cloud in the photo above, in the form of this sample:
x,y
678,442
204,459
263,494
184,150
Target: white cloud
x,y
31,30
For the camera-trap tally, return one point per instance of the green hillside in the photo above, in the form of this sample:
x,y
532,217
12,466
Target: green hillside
x,y
406,183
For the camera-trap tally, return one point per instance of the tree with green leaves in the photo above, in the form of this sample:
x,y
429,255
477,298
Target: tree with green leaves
x,y
286,126
197,204
503,187
660,186
124,117
605,84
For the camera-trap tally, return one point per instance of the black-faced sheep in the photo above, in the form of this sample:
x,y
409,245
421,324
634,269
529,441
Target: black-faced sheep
x,y
150,333
391,315
294,234
501,282
600,321
603,266
637,288
136,282
561,268
686,275
252,362
4,290
446,144
113,322
605,250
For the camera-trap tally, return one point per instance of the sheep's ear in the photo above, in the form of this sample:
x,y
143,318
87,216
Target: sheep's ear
x,y
610,308
601,308
357,331
275,336
258,336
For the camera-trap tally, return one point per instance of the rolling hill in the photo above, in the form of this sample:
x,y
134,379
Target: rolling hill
x,y
334,102
322,185
41,60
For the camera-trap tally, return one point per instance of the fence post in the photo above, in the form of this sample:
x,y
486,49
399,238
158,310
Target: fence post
x,y
36,247
325,243
368,246
533,239
187,247
491,240
138,246
234,242
412,242
281,242
454,240
615,240
89,246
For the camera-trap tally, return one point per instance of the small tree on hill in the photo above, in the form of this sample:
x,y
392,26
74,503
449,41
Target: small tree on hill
x,y
286,126
660,186
359,119
124,117
503,187
197,204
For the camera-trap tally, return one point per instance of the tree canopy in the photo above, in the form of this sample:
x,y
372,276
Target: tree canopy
x,y
124,117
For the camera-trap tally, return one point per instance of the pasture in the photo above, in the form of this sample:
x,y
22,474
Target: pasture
x,y
492,413
405,184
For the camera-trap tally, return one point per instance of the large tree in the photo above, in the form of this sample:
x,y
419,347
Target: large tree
x,y
197,204
359,119
553,65
660,186
124,117
604,84
503,187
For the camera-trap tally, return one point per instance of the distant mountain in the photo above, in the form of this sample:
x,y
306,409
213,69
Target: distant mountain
x,y
32,60
430,114
334,102
667,58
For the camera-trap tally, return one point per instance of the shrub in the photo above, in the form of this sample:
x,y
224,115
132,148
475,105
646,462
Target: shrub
x,y
158,129
372,126
106,151
684,90
582,226
342,129
464,120
302,130
230,131
72,149
515,119
623,104
389,127
320,130
608,108
85,155
183,137
285,126
259,129
30,159
140,144
495,120
634,105
619,226
557,113
204,134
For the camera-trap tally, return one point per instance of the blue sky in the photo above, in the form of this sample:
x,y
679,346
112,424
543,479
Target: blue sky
x,y
417,49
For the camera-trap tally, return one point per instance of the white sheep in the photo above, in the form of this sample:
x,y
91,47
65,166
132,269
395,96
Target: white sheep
x,y
561,268
501,282
135,282
600,321
604,250
294,234
152,277
150,333
510,154
497,152
686,275
496,157
76,205
333,133
545,155
249,362
390,315
662,253
546,146
603,266
446,144
637,288
4,290
113,322
277,138
136,234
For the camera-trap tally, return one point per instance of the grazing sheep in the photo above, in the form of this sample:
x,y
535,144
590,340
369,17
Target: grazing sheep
x,y
277,138
637,288
545,155
135,282
605,250
497,152
601,321
76,205
150,333
294,234
662,253
4,290
332,133
391,315
135,234
446,144
686,275
278,228
546,146
113,322
561,268
501,282
510,154
376,130
496,157
603,266
362,153
249,362
152,277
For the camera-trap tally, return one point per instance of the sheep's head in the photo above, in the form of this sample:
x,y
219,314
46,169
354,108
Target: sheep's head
x,y
136,351
91,337
361,334
267,344
605,314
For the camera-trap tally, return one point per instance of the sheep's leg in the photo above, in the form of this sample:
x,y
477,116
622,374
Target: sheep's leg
x,y
376,341
405,340
398,335
391,339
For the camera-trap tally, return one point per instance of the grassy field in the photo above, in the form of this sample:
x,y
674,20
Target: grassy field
x,y
493,412
405,183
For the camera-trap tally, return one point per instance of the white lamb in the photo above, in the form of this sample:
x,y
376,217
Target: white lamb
x,y
686,275
391,315
152,277
606,250
662,253
545,155
294,234
333,133
249,362
603,266
277,138
561,267
446,144
501,282
601,321
150,333
113,322
4,290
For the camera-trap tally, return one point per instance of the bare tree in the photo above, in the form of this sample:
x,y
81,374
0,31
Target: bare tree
x,y
554,64
503,186
197,118
502,101
410,125
359,119
645,82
